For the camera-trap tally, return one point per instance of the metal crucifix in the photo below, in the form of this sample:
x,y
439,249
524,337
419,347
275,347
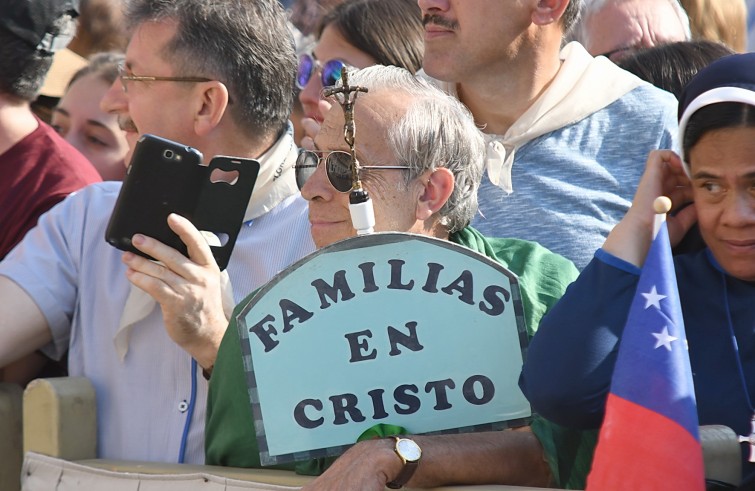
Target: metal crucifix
x,y
750,440
346,95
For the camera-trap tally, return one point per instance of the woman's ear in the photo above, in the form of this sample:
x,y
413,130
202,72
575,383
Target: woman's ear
x,y
437,189
211,105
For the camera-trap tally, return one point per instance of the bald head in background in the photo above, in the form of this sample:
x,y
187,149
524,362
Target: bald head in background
x,y
615,27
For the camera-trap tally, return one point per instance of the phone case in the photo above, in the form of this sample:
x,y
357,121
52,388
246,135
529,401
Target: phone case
x,y
167,177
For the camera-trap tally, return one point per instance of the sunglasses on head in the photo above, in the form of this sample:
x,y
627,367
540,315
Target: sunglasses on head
x,y
330,71
337,168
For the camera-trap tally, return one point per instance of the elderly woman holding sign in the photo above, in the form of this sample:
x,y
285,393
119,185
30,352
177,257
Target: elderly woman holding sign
x,y
570,362
421,159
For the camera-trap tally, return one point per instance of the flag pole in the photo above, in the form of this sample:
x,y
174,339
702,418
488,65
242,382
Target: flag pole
x,y
661,205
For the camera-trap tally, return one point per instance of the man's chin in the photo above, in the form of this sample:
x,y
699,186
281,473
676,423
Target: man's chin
x,y
323,238
436,67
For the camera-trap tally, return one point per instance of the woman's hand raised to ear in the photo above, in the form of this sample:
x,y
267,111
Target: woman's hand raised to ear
x,y
664,176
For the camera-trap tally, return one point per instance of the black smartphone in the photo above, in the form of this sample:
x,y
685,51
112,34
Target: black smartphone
x,y
168,177
164,177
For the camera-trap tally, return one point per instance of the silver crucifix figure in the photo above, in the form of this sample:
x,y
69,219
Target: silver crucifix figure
x,y
750,439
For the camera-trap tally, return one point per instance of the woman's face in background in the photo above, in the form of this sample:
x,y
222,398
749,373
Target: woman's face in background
x,y
331,46
79,119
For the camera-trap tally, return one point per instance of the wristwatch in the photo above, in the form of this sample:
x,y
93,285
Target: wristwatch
x,y
409,453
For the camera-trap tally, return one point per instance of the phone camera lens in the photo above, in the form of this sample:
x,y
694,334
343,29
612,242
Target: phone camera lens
x,y
168,154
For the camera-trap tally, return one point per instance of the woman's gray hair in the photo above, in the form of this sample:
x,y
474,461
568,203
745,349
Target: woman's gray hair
x,y
437,131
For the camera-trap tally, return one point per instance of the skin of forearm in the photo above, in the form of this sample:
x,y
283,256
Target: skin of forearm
x,y
204,347
630,238
512,457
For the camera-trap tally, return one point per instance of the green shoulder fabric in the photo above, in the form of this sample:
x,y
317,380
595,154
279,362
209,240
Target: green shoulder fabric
x,y
569,452
230,439
543,275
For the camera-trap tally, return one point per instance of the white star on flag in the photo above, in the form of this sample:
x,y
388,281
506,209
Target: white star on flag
x,y
663,338
653,298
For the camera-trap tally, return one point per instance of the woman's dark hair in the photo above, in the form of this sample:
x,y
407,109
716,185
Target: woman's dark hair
x,y
670,66
390,31
715,117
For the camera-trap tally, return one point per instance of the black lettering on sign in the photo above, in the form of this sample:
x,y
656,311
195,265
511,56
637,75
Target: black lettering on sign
x,y
368,275
464,284
396,269
301,418
343,404
441,398
496,296
346,407
378,406
409,340
402,395
340,285
488,390
431,285
292,311
264,331
359,347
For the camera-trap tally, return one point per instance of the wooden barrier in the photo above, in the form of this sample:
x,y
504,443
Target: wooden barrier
x,y
60,418
42,473
59,421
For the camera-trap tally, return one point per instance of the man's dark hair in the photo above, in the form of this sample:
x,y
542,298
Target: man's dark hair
x,y
244,44
23,68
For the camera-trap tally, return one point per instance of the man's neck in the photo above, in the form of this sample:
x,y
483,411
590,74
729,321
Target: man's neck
x,y
498,98
16,122
231,141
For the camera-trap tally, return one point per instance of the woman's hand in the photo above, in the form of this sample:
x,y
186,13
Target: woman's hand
x,y
664,176
311,126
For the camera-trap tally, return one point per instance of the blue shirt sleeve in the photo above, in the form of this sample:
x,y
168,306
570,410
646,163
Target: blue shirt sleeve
x,y
570,360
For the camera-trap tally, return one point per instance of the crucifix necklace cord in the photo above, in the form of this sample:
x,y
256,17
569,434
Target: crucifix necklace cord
x,y
750,439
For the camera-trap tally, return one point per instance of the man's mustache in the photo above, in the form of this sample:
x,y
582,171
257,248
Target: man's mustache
x,y
439,21
126,124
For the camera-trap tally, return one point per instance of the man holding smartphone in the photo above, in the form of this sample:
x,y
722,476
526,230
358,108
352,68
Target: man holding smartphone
x,y
216,76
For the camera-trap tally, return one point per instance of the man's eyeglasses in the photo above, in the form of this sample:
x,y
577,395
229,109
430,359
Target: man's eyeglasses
x,y
126,77
337,168
330,71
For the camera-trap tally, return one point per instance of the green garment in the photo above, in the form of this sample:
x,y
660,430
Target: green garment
x,y
568,452
230,439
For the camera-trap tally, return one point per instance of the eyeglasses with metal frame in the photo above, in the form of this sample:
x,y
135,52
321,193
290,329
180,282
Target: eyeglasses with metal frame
x,y
337,168
124,76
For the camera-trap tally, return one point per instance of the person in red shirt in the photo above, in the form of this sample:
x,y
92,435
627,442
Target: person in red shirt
x,y
37,166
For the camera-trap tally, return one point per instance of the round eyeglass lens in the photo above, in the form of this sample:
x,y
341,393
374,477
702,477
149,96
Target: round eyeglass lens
x,y
306,165
304,70
339,171
331,72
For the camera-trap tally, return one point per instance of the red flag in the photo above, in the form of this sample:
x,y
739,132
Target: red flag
x,y
649,439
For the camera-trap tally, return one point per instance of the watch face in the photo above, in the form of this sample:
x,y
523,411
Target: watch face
x,y
408,449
